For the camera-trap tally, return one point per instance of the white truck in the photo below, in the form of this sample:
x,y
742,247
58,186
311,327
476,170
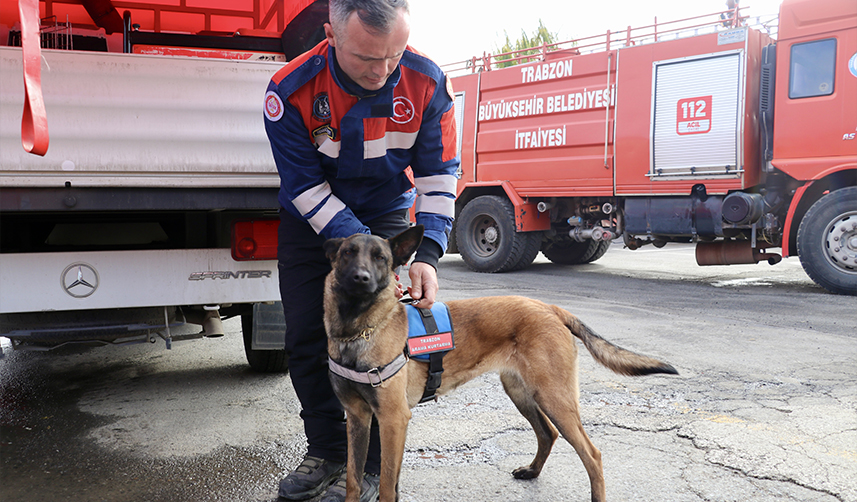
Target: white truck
x,y
140,216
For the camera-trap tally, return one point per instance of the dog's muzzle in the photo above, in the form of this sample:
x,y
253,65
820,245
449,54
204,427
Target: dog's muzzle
x,y
360,279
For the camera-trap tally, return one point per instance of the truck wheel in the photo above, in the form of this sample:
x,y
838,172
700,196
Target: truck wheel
x,y
264,361
827,241
532,241
603,246
574,253
487,240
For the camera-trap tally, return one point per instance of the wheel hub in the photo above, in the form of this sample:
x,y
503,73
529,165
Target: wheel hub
x,y
486,236
491,235
842,241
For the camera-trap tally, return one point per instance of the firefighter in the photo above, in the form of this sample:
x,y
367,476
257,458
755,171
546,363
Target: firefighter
x,y
345,120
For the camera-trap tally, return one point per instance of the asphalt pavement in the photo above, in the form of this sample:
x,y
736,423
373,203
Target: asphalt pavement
x,y
764,408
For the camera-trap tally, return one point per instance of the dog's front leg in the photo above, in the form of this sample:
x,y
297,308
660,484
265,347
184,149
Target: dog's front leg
x,y
359,416
393,417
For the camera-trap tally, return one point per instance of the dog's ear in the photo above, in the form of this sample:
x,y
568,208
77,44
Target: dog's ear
x,y
405,244
331,247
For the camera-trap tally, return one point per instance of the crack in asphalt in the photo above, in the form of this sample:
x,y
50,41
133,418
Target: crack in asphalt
x,y
692,440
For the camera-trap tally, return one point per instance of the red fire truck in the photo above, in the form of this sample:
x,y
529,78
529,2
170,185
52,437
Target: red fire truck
x,y
702,132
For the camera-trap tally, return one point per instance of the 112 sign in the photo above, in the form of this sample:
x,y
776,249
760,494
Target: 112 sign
x,y
693,115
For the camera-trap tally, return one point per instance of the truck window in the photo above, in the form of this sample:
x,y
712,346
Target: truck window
x,y
813,66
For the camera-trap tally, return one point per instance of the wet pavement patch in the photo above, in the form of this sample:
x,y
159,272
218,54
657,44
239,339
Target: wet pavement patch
x,y
47,451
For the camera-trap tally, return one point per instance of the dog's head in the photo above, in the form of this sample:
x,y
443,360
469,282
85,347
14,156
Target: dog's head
x,y
363,263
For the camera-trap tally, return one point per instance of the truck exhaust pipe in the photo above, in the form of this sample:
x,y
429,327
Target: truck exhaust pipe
x,y
545,206
208,318
732,253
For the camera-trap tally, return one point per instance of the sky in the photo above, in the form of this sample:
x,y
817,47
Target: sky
x,y
454,30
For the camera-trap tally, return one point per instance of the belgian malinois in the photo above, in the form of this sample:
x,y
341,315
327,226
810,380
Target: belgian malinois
x,y
526,341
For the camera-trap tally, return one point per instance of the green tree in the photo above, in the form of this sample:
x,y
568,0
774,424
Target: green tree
x,y
527,45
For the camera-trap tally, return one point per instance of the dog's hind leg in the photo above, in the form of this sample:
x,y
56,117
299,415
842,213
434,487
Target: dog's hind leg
x,y
546,433
563,410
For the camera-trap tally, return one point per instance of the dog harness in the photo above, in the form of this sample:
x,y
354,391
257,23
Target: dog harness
x,y
430,337
374,377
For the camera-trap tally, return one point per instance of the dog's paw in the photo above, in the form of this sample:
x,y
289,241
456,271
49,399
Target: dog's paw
x,y
525,473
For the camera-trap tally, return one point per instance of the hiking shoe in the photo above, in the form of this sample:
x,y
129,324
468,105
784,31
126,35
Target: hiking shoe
x,y
310,478
368,493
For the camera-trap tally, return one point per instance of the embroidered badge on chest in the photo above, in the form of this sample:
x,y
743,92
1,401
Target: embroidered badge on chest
x,y
323,132
273,106
403,110
321,107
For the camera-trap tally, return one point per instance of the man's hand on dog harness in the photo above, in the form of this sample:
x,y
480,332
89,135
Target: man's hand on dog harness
x,y
400,289
423,284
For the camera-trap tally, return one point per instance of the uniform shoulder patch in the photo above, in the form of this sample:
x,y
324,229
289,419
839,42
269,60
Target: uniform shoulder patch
x,y
273,106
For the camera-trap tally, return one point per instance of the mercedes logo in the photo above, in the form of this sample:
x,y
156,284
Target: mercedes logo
x,y
79,280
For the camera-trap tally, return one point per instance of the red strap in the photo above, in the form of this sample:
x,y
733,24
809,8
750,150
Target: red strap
x,y
34,121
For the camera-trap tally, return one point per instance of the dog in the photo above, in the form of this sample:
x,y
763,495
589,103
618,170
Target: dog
x,y
526,341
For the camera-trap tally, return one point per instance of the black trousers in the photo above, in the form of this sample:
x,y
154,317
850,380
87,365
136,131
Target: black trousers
x,y
303,267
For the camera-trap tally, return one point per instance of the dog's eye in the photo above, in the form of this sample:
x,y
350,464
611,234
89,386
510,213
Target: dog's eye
x,y
379,257
347,252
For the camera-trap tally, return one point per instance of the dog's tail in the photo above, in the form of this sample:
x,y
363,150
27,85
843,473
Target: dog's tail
x,y
612,356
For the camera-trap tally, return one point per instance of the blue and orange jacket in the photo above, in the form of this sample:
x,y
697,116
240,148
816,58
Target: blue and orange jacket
x,y
342,152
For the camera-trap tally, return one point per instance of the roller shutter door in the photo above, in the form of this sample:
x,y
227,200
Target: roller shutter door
x,y
697,110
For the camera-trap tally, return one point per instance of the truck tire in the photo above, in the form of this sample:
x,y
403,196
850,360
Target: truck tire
x,y
574,253
827,241
532,242
487,240
262,361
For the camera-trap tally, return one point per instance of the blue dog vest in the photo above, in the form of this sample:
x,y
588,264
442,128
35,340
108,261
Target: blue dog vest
x,y
425,338
430,337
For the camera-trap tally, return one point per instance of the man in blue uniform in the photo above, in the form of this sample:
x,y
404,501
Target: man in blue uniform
x,y
345,121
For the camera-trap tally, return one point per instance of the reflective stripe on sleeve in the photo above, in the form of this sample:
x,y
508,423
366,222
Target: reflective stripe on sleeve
x,y
312,197
326,213
438,204
440,183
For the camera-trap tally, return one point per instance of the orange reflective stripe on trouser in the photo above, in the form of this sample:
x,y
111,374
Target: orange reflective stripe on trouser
x,y
34,122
